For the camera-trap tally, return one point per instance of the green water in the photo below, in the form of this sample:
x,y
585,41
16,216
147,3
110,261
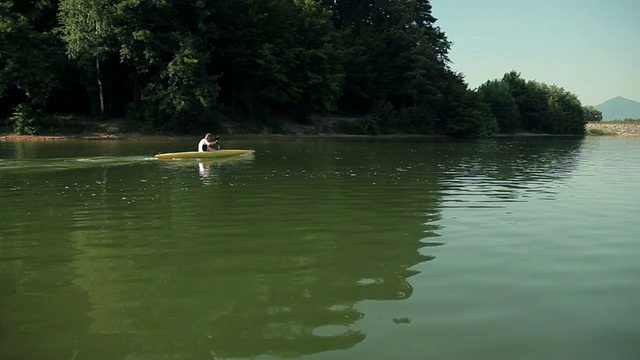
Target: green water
x,y
322,249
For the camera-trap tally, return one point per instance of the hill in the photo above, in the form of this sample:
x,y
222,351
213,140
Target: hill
x,y
619,108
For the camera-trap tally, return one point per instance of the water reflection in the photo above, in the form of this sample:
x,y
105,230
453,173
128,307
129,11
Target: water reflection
x,y
205,172
208,169
277,267
503,170
311,307
148,260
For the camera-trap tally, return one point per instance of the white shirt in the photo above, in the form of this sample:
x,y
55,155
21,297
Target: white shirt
x,y
202,145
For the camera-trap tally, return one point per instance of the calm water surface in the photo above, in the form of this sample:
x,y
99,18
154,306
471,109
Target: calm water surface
x,y
322,249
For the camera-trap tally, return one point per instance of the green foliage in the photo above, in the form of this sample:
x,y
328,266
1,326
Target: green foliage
x,y
567,113
385,119
88,31
361,126
473,118
183,99
24,120
416,120
520,105
466,114
87,28
284,60
176,65
54,124
599,132
28,57
394,53
533,106
383,116
592,114
502,104
319,60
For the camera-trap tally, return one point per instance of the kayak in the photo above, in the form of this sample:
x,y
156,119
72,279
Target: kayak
x,y
204,154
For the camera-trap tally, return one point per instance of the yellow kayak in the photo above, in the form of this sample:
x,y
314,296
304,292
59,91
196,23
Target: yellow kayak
x,y
204,154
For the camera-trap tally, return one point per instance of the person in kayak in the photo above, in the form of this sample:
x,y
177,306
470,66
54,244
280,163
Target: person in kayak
x,y
208,142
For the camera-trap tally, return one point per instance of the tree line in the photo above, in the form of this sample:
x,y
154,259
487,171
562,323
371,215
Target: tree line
x,y
182,66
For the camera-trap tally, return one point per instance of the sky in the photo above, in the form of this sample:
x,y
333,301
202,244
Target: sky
x,y
590,48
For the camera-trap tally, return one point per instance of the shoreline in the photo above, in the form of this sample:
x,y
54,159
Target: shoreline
x,y
138,137
610,128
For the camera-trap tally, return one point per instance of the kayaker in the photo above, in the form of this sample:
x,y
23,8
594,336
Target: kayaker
x,y
207,143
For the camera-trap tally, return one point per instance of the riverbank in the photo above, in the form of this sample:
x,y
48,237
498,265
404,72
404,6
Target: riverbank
x,y
319,128
111,130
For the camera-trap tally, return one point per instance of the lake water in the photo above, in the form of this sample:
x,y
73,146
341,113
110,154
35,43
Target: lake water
x,y
524,248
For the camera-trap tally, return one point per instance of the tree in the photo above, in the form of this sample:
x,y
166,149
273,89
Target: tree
x,y
544,108
184,97
173,65
532,100
394,53
464,112
317,70
516,84
29,63
169,49
592,114
277,55
503,105
567,114
88,30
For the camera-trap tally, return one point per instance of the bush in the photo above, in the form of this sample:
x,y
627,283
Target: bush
x,y
24,120
362,126
61,124
599,132
416,120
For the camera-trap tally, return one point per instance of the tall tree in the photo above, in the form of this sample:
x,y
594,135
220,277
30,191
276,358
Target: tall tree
x,y
318,70
29,57
533,102
277,54
183,98
88,30
394,53
503,105
465,113
169,48
567,113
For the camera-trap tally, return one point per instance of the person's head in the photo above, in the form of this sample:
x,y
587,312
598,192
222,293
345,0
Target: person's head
x,y
208,137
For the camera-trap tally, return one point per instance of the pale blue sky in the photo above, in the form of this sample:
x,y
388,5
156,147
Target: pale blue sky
x,y
589,47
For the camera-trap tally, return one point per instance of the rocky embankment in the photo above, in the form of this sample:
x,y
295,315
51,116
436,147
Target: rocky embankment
x,y
616,127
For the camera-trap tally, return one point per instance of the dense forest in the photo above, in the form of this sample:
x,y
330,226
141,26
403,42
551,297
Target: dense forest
x,y
181,66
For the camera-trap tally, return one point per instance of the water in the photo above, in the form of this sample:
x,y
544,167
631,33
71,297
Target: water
x,y
321,249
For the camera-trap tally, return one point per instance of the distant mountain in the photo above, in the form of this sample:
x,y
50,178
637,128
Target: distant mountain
x,y
619,108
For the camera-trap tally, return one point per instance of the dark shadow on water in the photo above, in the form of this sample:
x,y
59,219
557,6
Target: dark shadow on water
x,y
275,259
